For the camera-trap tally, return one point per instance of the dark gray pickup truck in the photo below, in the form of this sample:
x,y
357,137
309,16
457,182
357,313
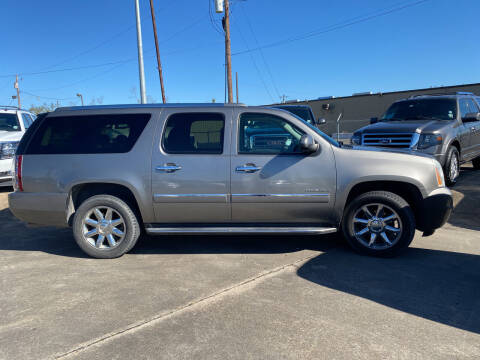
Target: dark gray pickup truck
x,y
446,126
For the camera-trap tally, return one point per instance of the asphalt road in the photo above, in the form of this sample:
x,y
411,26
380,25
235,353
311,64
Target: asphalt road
x,y
250,297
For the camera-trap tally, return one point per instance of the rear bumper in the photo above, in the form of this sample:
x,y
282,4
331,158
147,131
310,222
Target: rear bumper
x,y
39,208
435,210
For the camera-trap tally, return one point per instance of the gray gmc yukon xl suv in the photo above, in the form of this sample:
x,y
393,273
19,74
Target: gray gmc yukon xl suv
x,y
445,126
112,172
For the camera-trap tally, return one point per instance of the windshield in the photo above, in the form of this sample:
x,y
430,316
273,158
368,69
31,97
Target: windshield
x,y
9,122
301,112
422,109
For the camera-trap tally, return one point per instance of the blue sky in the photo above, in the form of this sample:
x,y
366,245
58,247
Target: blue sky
x,y
433,43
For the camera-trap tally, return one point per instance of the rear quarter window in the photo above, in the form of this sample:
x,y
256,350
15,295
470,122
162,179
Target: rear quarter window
x,y
88,134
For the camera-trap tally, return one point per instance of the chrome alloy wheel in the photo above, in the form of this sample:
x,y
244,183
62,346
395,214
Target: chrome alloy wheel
x,y
454,168
103,227
377,226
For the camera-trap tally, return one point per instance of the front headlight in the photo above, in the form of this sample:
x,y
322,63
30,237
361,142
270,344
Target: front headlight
x,y
7,149
356,139
429,140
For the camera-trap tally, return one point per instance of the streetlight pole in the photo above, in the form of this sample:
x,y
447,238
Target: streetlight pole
x,y
143,96
17,86
81,97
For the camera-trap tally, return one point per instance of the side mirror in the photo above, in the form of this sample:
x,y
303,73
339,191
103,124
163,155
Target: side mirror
x,y
321,121
373,120
471,117
308,144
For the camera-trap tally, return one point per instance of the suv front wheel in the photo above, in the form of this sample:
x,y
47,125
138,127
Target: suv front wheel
x,y
452,166
379,223
105,227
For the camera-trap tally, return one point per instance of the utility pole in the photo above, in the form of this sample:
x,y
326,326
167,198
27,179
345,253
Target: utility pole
x,y
81,97
16,86
143,95
236,85
158,51
228,52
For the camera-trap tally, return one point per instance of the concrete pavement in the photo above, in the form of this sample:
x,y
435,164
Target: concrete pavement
x,y
242,297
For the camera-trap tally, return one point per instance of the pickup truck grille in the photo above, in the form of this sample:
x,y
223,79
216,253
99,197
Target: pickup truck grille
x,y
394,140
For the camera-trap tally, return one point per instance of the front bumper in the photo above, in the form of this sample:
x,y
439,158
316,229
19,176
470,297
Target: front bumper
x,y
435,210
6,167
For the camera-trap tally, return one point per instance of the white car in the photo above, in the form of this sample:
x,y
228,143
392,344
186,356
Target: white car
x,y
13,124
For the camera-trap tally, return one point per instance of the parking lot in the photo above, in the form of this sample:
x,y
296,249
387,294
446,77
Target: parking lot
x,y
242,297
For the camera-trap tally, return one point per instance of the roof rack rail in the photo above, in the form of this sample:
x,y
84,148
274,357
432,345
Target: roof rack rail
x,y
445,93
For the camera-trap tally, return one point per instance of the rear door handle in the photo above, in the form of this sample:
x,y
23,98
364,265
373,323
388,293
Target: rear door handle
x,y
168,168
248,168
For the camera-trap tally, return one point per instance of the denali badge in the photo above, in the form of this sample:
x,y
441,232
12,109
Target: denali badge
x,y
385,141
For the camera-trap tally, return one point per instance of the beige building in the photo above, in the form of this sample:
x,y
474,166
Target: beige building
x,y
358,109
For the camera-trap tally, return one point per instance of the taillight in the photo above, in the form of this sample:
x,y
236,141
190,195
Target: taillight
x,y
18,173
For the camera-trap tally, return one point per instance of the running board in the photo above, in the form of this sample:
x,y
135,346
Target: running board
x,y
241,230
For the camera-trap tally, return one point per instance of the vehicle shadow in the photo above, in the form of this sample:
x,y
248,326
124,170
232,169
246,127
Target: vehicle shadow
x,y
436,285
466,194
16,235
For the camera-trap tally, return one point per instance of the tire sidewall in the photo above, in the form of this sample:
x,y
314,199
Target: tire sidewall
x,y
131,224
452,151
396,203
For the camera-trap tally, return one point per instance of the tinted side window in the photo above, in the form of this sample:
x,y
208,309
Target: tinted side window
x,y
27,120
194,133
267,134
467,106
88,134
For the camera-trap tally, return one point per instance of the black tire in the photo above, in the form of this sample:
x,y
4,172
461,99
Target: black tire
x,y
389,201
453,157
130,227
476,163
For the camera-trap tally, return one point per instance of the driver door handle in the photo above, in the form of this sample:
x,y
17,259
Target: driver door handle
x,y
248,168
168,168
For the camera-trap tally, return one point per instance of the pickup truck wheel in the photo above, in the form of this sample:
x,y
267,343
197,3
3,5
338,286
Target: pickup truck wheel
x,y
105,227
452,166
476,163
379,223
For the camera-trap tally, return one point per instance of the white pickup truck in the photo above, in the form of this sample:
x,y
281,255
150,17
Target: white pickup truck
x,y
13,124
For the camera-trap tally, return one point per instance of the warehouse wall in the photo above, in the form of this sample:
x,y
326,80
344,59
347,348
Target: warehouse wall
x,y
357,110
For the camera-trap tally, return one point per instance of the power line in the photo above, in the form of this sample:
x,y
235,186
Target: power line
x,y
102,43
45,97
256,66
261,52
198,20
334,27
214,23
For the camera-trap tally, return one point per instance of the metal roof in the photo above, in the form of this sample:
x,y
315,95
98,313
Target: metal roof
x,y
148,106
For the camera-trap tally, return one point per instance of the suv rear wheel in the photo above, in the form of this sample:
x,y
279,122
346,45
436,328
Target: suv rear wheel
x,y
379,223
105,227
452,166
